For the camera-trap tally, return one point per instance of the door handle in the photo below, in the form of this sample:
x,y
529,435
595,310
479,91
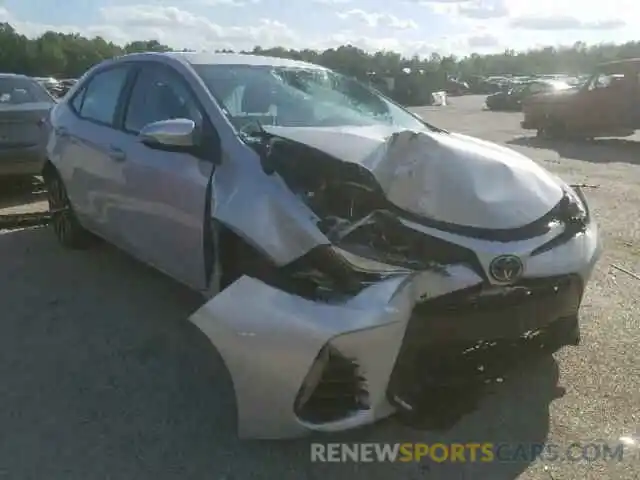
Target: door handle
x,y
117,154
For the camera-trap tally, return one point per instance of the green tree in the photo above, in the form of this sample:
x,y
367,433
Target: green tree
x,y
70,55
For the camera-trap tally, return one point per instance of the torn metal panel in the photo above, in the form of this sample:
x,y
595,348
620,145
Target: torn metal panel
x,y
444,177
270,343
262,209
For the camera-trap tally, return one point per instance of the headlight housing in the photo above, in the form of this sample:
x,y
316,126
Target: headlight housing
x,y
330,274
579,206
574,214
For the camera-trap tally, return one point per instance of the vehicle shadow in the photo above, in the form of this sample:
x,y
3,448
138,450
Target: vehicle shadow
x,y
19,192
608,150
103,376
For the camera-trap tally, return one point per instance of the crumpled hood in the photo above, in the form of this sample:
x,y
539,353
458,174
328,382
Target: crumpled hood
x,y
446,177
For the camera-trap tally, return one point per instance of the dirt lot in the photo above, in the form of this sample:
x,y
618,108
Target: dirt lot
x,y
102,377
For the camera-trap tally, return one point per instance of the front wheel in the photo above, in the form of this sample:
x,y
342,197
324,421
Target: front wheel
x,y
65,225
553,129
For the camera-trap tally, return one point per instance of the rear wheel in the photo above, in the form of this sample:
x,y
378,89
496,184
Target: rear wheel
x,y
63,219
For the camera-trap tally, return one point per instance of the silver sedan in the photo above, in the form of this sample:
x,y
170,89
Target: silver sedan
x,y
24,108
337,238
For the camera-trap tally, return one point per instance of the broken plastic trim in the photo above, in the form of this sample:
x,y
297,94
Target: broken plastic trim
x,y
324,274
383,237
575,217
333,389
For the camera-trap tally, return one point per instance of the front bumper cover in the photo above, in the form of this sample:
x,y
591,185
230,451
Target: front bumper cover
x,y
270,339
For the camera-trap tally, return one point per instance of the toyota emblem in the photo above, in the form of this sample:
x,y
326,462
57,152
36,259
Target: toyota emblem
x,y
506,268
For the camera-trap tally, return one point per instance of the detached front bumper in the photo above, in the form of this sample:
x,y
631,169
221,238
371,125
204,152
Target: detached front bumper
x,y
299,365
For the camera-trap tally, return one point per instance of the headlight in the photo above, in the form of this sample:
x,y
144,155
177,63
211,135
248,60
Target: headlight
x,y
581,201
576,209
574,214
328,273
369,265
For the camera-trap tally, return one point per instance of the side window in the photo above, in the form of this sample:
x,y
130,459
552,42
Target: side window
x,y
159,94
77,100
601,80
102,94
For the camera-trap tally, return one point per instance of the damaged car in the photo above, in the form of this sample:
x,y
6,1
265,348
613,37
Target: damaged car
x,y
336,237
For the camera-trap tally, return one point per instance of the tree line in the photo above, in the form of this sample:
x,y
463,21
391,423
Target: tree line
x,y
65,55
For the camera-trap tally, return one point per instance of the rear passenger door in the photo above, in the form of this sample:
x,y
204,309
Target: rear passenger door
x,y
92,155
166,192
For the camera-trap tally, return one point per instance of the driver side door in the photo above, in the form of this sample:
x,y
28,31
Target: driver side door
x,y
167,190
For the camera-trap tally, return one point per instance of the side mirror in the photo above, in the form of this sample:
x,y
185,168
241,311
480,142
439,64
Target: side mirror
x,y
175,133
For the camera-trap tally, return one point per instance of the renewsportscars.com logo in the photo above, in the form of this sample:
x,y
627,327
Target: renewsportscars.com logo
x,y
469,452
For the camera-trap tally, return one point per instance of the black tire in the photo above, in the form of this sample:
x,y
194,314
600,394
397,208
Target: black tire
x,y
552,130
65,225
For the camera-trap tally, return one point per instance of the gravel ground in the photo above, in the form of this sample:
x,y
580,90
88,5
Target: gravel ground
x,y
103,378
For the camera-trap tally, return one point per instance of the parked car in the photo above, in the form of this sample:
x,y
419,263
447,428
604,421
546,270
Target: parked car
x,y
606,105
511,99
24,107
455,87
336,236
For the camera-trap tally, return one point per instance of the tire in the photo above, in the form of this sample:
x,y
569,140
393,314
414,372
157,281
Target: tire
x,y
65,225
553,130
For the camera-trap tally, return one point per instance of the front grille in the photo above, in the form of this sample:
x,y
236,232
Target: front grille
x,y
340,391
445,336
494,300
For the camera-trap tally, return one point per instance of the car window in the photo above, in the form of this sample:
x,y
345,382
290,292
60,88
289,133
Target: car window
x,y
102,94
159,94
76,103
299,97
604,80
20,90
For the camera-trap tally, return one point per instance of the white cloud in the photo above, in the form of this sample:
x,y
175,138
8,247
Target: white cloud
x,y
467,25
377,20
483,41
181,29
483,9
564,23
227,3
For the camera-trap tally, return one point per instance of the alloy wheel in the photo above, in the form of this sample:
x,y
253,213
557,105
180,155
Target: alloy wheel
x,y
60,209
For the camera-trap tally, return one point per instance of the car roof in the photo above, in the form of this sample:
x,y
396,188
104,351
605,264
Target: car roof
x,y
205,58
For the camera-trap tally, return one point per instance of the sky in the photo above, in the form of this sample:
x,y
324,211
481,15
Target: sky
x,y
406,26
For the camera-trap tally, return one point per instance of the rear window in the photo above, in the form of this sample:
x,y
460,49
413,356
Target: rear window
x,y
16,91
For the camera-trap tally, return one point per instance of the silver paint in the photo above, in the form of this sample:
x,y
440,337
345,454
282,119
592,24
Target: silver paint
x,y
178,132
446,177
269,344
152,203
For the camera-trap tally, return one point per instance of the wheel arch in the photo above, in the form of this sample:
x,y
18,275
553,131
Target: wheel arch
x,y
48,169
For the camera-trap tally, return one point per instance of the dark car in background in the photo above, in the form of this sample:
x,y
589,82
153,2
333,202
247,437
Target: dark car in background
x,y
512,98
24,109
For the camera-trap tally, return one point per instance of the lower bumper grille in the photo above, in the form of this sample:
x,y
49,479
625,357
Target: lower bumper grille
x,y
494,313
448,338
339,391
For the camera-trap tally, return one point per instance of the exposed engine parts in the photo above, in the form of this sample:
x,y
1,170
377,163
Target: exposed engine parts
x,y
356,216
